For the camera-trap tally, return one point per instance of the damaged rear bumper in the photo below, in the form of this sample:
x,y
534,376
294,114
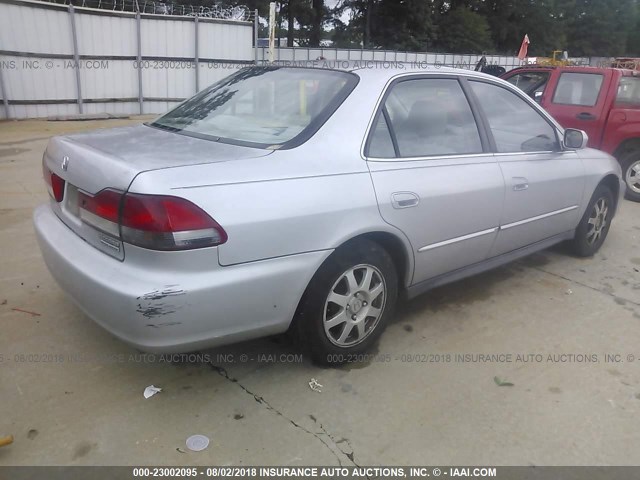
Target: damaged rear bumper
x,y
174,302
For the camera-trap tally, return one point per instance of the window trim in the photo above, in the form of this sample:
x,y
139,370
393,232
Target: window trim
x,y
602,75
381,109
392,134
527,99
479,114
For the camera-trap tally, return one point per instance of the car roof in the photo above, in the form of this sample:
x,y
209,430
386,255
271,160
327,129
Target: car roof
x,y
588,69
381,69
395,68
382,72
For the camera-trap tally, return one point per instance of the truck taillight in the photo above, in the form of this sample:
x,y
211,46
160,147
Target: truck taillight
x,y
55,184
157,222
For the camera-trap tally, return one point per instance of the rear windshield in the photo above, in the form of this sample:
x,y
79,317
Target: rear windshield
x,y
262,106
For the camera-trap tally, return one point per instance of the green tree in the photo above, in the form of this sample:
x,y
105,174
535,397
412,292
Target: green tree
x,y
583,27
402,25
462,30
388,24
601,27
312,17
357,30
633,37
543,20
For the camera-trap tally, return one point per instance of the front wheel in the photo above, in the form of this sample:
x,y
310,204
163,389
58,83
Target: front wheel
x,y
631,173
348,302
594,225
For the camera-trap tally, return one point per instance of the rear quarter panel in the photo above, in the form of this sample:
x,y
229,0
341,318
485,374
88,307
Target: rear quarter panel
x,y
309,198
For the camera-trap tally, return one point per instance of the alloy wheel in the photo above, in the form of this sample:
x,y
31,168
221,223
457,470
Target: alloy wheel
x,y
633,177
598,220
354,305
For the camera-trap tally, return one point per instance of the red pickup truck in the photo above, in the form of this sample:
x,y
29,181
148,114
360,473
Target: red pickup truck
x,y
604,102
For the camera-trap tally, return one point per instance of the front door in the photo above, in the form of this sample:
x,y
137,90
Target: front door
x,y
544,184
433,174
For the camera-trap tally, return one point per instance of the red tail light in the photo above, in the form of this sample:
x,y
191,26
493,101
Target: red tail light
x,y
55,184
157,222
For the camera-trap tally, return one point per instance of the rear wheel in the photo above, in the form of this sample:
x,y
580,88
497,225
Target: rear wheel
x,y
631,174
348,302
594,225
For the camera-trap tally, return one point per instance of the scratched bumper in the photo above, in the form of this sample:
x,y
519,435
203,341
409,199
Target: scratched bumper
x,y
174,301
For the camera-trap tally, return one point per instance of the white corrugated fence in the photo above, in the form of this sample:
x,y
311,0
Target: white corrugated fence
x,y
60,60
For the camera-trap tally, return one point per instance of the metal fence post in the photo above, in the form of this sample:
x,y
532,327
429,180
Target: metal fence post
x,y
272,30
139,58
3,92
255,33
197,56
76,56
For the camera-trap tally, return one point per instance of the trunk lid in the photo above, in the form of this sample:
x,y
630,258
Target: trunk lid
x,y
112,158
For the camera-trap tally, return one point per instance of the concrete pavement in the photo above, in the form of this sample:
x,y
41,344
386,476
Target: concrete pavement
x,y
72,394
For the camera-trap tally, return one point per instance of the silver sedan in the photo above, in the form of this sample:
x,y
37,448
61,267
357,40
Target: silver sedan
x,y
309,199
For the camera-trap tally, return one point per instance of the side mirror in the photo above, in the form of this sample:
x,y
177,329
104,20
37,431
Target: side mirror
x,y
575,139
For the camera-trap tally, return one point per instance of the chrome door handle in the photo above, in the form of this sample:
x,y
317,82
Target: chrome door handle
x,y
520,184
404,199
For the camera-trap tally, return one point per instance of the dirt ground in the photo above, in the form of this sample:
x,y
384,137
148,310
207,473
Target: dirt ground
x,y
564,334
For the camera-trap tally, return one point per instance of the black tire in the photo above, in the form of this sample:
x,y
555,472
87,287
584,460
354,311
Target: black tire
x,y
309,325
627,161
592,230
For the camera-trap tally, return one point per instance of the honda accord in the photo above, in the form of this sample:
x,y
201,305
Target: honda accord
x,y
310,200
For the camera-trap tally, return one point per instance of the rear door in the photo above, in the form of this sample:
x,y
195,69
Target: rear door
x,y
434,176
544,184
577,98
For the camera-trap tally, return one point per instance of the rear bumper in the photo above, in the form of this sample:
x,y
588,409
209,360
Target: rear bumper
x,y
185,303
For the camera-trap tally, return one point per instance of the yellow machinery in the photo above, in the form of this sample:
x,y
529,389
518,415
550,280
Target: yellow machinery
x,y
555,61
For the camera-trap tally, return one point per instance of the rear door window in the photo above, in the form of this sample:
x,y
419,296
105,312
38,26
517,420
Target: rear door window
x,y
578,89
429,117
